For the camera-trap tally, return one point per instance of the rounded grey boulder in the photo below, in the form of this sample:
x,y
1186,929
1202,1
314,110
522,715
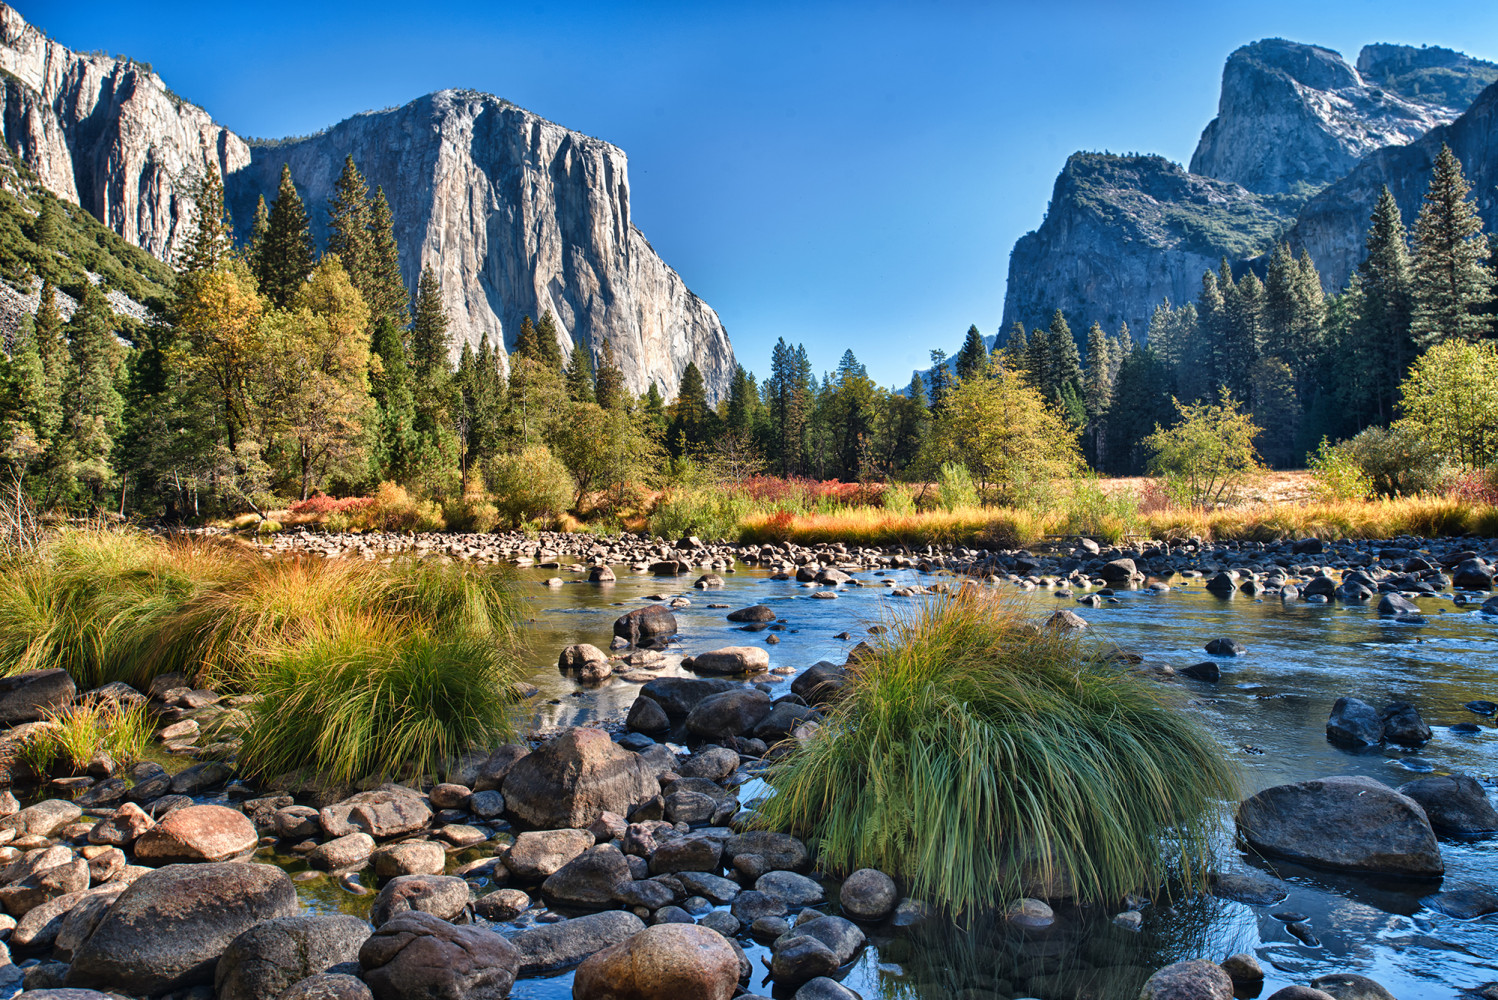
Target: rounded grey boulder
x,y
169,928
271,957
417,956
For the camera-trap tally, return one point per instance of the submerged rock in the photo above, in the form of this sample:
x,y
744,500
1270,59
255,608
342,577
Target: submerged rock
x,y
1348,823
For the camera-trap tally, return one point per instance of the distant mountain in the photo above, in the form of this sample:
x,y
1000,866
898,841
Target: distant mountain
x,y
517,215
1122,233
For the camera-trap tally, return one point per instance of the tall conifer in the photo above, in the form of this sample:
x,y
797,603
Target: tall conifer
x,y
1451,285
287,254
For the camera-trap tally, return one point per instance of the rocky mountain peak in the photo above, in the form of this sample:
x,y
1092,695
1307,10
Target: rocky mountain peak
x,y
1292,118
1427,73
108,135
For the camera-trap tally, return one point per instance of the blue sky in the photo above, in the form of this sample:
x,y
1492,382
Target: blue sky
x,y
839,174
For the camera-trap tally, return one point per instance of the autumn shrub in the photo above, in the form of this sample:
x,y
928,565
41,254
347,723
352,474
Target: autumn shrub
x,y
1208,456
472,511
1397,461
529,486
1337,474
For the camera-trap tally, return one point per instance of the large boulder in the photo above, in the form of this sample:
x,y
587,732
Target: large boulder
x,y
42,819
573,779
1342,822
32,694
537,854
650,624
753,613
591,880
167,930
383,813
417,956
679,695
729,661
197,833
1454,803
269,958
562,945
444,896
661,962
1354,723
1118,571
732,713
779,851
868,894
820,683
1196,979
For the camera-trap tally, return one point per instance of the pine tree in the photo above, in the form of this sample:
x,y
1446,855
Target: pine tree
x,y
941,381
1037,364
1281,308
261,225
653,409
1451,284
430,344
349,226
212,241
1382,350
386,294
525,341
609,380
93,409
52,351
1015,347
548,348
581,386
396,444
48,224
973,357
736,410
691,417
287,254
1064,361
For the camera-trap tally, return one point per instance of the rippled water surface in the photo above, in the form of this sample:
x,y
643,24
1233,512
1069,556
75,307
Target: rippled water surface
x,y
1269,711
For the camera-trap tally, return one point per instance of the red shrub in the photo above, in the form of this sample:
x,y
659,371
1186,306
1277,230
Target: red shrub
x,y
321,503
1476,488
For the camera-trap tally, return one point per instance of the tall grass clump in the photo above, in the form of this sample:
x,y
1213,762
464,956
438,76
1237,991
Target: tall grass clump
x,y
86,728
355,667
983,759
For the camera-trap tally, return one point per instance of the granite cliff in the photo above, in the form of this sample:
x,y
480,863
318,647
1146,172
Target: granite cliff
x,y
1122,233
516,214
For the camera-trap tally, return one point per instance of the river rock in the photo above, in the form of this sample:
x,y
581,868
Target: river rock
x,y
328,986
679,695
799,959
687,854
1403,725
732,713
649,624
561,945
1354,723
825,988
44,885
868,894
1207,671
492,773
42,924
796,891
753,613
1350,986
417,956
168,929
713,763
43,819
197,833
270,957
729,661
1454,803
591,880
579,656
443,896
32,694
1222,585
780,851
647,716
665,961
383,813
1342,822
1225,647
349,851
413,857
569,781
1196,979
821,683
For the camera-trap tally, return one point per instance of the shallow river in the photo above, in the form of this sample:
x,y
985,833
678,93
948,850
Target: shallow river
x,y
1269,711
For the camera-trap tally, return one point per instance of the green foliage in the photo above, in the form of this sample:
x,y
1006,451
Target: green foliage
x,y
980,760
1451,400
1208,456
1397,460
530,485
955,488
1337,473
285,256
87,728
1450,284
1094,512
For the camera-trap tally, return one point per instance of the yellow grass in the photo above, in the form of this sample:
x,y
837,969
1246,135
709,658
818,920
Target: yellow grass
x,y
1008,528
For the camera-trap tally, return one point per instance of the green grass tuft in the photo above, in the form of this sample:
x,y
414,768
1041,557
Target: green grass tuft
x,y
982,760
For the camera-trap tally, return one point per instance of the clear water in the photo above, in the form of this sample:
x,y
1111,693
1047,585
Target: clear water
x,y
1269,711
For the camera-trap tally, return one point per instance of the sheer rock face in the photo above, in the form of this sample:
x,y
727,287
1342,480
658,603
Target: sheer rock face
x,y
1292,115
107,134
1125,232
1333,225
1122,233
517,216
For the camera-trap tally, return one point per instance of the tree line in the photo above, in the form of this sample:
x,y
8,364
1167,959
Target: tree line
x,y
281,370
